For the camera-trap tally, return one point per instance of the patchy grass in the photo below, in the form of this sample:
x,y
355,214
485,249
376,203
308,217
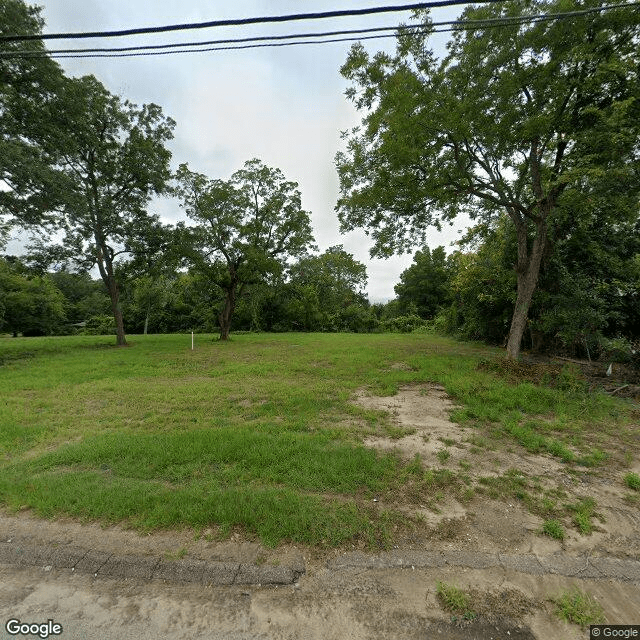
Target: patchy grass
x,y
261,432
632,480
553,529
583,513
455,600
578,607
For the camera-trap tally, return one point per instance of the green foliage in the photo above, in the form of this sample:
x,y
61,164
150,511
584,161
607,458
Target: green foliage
x,y
424,286
402,324
554,529
455,600
247,228
578,607
523,121
583,512
28,88
100,326
632,480
29,304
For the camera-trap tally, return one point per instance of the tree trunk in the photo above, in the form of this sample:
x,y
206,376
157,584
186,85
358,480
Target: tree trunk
x,y
224,317
105,266
146,322
114,294
527,270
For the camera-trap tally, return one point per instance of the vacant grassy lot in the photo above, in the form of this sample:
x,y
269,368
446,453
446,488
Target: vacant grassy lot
x,y
261,433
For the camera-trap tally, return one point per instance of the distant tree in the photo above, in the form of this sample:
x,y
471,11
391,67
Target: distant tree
x,y
424,286
84,296
150,272
519,119
246,228
29,304
337,278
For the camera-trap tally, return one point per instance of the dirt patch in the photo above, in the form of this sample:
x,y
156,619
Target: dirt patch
x,y
505,522
422,408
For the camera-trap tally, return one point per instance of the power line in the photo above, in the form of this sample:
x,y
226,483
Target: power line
x,y
242,21
457,25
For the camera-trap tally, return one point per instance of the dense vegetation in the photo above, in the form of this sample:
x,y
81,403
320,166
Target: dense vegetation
x,y
542,152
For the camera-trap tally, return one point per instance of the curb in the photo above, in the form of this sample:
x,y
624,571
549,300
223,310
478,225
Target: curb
x,y
112,565
607,568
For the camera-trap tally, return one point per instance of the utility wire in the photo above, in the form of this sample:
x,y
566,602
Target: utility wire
x,y
457,25
242,21
466,24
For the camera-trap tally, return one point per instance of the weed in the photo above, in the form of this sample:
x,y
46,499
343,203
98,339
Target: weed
x,y
448,442
583,512
554,529
454,600
443,455
396,433
176,555
578,607
465,465
632,480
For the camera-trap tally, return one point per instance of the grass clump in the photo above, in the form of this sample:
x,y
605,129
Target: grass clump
x,y
554,529
455,600
578,607
583,513
632,480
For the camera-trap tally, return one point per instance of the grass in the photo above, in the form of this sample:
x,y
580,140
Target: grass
x,y
455,601
554,529
578,607
260,432
583,514
632,480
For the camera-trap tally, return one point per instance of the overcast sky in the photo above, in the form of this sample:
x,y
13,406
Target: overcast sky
x,y
285,106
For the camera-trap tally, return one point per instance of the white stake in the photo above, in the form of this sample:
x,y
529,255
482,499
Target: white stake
x,y
192,341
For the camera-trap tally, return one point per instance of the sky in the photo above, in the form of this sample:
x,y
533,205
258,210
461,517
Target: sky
x,y
285,106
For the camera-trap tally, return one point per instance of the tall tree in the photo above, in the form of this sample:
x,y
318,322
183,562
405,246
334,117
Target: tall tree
x,y
247,228
112,159
516,119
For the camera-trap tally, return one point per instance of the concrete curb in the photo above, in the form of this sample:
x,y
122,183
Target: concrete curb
x,y
620,569
105,564
112,565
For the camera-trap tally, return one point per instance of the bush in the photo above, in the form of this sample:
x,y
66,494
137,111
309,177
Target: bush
x,y
402,324
100,326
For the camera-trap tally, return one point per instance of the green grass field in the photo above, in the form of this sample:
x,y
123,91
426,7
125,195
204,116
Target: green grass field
x,y
258,432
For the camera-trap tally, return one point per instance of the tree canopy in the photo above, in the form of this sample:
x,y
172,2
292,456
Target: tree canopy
x,y
246,228
525,119
111,157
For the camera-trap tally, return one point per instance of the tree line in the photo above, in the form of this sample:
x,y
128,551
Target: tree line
x,y
532,129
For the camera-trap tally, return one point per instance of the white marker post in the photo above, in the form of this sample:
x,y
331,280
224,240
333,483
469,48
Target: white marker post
x,y
192,341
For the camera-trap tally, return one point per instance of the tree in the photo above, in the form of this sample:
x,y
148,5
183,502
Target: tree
x,y
84,296
30,304
246,229
150,272
516,119
425,284
111,158
334,279
28,86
